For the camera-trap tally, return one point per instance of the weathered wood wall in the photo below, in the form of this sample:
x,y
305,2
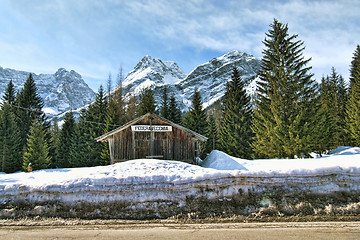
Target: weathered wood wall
x,y
176,145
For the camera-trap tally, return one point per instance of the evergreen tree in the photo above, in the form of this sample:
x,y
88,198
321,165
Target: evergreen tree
x,y
37,148
29,105
325,133
147,102
120,76
96,120
174,111
10,154
353,103
116,107
55,132
195,118
212,134
62,153
109,86
112,116
235,131
10,94
132,108
80,151
96,113
285,117
164,108
333,100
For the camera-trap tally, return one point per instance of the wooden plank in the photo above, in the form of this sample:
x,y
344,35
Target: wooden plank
x,y
133,145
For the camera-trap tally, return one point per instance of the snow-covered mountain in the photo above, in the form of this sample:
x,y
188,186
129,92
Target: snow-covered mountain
x,y
150,71
61,91
209,78
66,90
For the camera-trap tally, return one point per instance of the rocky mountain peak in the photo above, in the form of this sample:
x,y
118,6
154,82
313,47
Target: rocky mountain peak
x,y
150,72
62,91
209,78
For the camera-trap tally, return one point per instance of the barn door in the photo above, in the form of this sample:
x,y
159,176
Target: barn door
x,y
157,147
141,144
160,146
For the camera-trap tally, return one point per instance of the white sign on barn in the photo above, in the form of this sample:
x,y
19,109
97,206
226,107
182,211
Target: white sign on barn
x,y
151,128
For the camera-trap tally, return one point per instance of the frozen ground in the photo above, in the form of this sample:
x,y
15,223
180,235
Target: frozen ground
x,y
156,188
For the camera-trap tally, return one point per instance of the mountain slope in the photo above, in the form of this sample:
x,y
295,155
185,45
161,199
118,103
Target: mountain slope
x,y
152,72
62,91
209,78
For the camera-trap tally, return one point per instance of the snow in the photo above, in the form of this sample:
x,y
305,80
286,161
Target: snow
x,y
343,159
49,110
138,183
222,161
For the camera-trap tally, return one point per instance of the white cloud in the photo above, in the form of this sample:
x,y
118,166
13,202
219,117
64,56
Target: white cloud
x,y
100,34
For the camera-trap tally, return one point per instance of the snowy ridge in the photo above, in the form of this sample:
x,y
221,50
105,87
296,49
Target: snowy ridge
x,y
152,72
209,78
61,91
163,188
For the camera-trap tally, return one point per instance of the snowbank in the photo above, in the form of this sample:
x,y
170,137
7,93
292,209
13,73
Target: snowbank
x,y
147,188
222,161
341,160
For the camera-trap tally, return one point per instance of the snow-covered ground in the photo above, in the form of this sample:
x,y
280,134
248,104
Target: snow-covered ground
x,y
343,159
166,186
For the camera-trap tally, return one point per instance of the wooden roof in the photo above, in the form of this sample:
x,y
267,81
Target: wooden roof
x,y
119,129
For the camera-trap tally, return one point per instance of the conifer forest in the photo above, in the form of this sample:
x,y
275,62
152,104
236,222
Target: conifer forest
x,y
293,114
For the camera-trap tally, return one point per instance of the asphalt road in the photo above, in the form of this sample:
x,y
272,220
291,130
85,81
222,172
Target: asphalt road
x,y
310,230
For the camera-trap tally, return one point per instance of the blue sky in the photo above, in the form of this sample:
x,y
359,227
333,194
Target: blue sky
x,y
95,37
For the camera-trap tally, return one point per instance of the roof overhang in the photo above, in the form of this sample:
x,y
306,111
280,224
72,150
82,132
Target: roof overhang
x,y
104,137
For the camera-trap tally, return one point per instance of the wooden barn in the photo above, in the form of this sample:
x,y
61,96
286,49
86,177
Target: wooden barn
x,y
151,136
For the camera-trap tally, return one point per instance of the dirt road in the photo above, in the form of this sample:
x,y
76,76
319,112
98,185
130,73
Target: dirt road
x,y
317,230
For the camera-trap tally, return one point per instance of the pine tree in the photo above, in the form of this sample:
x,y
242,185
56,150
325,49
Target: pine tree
x,y
37,149
235,131
119,101
96,120
147,102
10,94
109,86
174,111
55,132
96,113
10,148
353,103
211,132
10,154
62,153
132,109
80,151
29,105
115,115
164,108
333,100
112,116
285,119
195,118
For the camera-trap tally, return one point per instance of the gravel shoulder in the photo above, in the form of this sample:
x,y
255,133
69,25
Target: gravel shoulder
x,y
118,229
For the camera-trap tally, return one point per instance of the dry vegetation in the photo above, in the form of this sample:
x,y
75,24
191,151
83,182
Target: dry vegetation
x,y
239,208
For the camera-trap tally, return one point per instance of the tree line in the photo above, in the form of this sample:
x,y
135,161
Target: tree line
x,y
292,116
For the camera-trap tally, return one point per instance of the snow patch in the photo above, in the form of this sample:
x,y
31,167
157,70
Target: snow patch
x,y
222,161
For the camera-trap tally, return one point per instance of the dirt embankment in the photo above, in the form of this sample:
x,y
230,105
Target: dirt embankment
x,y
250,205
